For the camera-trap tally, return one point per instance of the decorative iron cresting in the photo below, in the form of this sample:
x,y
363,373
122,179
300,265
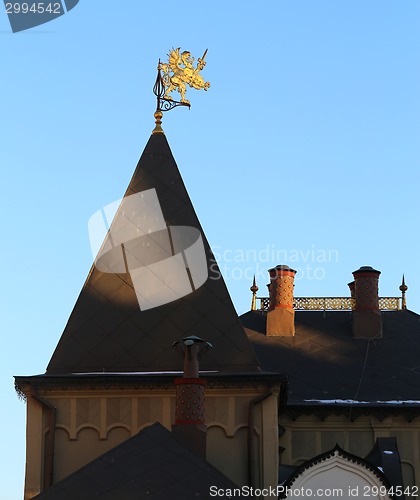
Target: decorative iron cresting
x,y
332,303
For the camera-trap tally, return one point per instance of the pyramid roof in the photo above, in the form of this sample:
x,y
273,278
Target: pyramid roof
x,y
152,464
120,323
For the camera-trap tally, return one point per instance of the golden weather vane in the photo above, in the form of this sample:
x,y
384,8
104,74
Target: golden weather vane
x,y
180,72
176,74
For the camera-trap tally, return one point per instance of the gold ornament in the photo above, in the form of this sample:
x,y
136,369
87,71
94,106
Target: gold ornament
x,y
180,72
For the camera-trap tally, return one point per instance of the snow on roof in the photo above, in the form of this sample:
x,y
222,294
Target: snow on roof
x,y
355,402
141,373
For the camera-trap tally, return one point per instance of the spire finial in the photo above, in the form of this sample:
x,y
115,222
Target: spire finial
x,y
254,290
403,288
158,121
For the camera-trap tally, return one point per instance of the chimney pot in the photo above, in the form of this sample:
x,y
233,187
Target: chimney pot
x,y
366,288
351,286
190,424
281,314
367,321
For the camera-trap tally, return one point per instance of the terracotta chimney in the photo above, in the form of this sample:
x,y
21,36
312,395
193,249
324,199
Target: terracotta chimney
x,y
367,321
351,285
281,314
190,425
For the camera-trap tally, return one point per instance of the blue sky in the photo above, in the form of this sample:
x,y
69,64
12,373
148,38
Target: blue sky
x,y
305,146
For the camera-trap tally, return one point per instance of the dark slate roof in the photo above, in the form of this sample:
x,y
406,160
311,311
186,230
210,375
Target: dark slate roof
x,y
107,332
327,365
153,465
